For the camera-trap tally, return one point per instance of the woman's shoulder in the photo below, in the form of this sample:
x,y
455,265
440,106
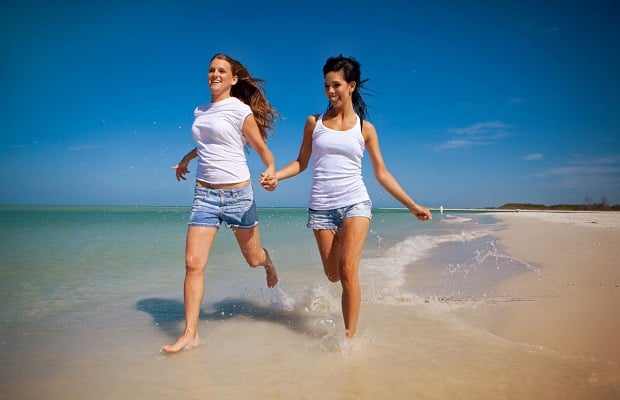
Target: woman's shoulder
x,y
234,103
368,130
313,119
366,124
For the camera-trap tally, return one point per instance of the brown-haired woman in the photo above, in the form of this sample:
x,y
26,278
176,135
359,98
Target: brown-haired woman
x,y
238,115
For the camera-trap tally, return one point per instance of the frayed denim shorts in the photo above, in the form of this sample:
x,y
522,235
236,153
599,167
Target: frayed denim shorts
x,y
235,207
333,219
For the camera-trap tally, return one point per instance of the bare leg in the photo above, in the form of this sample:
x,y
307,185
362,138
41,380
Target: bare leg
x,y
197,247
343,258
255,255
329,249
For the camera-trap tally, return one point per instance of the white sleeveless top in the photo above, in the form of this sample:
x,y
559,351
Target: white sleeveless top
x,y
337,167
217,131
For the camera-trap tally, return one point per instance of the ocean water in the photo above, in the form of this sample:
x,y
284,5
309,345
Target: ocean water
x,y
89,294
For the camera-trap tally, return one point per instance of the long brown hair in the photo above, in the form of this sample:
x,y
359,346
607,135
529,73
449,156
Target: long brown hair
x,y
249,90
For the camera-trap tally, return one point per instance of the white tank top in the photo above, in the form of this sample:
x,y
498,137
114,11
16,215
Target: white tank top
x,y
217,131
337,167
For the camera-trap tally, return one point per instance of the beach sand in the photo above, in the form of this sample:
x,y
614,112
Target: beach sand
x,y
548,332
571,303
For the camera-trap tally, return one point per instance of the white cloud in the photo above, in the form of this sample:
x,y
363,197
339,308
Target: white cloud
x,y
579,166
81,147
585,177
481,129
454,144
480,134
582,170
603,160
533,157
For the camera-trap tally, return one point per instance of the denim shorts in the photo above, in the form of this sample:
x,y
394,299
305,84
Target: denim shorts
x,y
235,207
333,219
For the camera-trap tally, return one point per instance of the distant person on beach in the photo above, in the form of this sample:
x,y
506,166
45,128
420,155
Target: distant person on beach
x,y
340,209
237,115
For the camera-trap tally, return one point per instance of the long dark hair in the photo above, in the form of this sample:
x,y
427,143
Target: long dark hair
x,y
249,90
352,71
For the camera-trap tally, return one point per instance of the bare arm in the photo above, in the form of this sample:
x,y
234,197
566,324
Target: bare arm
x,y
181,168
300,164
252,134
385,178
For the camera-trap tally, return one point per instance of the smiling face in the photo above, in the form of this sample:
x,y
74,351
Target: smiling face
x,y
337,89
220,78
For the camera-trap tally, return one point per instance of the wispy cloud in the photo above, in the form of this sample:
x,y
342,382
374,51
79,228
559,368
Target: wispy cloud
x,y
82,147
579,166
581,170
533,157
455,144
587,177
480,134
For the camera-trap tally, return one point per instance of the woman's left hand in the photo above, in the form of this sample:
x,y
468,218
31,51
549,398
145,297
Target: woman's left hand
x,y
421,213
268,181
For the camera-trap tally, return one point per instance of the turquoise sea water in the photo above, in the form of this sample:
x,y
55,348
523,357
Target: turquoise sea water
x,y
88,294
61,262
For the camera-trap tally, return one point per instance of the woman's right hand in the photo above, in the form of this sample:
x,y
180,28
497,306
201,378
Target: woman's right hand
x,y
268,181
181,170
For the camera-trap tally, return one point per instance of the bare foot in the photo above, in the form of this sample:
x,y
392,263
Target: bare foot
x,y
272,275
187,341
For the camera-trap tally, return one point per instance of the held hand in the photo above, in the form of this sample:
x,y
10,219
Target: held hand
x,y
268,182
181,170
421,213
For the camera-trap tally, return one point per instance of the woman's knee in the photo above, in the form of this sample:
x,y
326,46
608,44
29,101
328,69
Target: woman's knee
x,y
256,258
332,271
348,271
194,266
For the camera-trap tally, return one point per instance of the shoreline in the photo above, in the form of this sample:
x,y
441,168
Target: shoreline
x,y
93,296
569,302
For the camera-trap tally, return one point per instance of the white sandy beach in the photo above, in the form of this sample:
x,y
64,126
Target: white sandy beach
x,y
571,304
92,330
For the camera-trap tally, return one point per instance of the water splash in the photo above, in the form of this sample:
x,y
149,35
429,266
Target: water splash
x,y
318,297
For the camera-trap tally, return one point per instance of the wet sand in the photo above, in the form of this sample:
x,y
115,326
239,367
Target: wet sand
x,y
548,333
571,302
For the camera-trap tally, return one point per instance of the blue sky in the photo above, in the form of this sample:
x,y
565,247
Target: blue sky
x,y
477,103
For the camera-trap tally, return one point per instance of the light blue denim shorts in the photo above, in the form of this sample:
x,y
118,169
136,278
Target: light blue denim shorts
x,y
333,219
235,207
